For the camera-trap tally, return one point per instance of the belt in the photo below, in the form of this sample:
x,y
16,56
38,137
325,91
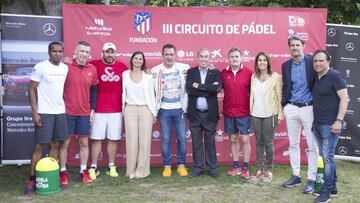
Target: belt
x,y
202,111
310,103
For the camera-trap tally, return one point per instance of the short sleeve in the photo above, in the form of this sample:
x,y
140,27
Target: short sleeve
x,y
36,73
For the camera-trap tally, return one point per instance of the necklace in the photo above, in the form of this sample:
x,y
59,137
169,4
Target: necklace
x,y
263,77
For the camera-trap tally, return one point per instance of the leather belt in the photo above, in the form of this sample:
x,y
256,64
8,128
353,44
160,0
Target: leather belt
x,y
310,103
202,111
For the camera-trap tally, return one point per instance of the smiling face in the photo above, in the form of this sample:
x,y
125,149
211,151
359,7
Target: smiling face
x,y
235,59
109,56
137,61
82,53
321,63
56,54
204,58
262,63
169,57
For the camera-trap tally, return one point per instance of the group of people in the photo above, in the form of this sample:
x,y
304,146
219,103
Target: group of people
x,y
89,99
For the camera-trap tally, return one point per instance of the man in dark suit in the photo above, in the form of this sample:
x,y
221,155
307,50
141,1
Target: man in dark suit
x,y
297,100
203,85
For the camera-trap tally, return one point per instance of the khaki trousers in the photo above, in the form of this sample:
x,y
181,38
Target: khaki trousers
x,y
138,130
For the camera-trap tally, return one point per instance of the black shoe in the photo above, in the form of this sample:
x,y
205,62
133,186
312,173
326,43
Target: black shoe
x,y
323,198
195,173
292,182
214,174
309,187
333,193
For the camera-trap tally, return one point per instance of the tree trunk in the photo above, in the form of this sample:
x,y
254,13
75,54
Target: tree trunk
x,y
53,7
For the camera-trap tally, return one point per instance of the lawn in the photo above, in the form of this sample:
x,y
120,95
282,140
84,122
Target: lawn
x,y
178,189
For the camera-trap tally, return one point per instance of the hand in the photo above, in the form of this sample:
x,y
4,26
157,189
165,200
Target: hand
x,y
92,117
216,83
67,60
154,119
195,85
36,119
336,127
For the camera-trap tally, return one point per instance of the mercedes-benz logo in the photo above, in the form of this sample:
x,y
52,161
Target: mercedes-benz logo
x,y
342,150
349,46
331,32
49,29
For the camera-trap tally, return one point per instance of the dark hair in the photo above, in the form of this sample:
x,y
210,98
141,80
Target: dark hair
x,y
234,49
168,46
84,43
53,44
143,66
295,37
257,71
328,56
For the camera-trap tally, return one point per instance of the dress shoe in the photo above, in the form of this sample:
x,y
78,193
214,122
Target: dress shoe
x,y
309,187
214,174
292,182
196,173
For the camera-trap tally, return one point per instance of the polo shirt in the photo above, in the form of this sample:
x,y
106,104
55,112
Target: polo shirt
x,y
236,87
77,88
326,101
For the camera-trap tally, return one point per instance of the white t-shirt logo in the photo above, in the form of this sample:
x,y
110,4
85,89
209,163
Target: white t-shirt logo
x,y
109,75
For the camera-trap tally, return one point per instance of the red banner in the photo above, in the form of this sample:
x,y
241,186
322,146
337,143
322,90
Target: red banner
x,y
217,28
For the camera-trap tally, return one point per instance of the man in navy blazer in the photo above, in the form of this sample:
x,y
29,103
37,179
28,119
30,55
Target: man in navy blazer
x,y
298,79
203,85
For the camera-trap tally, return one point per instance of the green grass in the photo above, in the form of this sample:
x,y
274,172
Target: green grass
x,y
178,189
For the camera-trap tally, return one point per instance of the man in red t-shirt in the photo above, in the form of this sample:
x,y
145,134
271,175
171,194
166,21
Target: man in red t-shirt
x,y
79,97
236,80
108,117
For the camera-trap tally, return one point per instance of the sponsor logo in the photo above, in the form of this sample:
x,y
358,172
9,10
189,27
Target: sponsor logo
x,y
246,56
182,54
216,53
347,73
296,21
109,75
342,150
99,29
349,46
15,24
331,32
49,29
99,21
142,22
156,134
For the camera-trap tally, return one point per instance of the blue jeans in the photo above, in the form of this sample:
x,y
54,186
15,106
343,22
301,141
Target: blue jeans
x,y
327,142
170,118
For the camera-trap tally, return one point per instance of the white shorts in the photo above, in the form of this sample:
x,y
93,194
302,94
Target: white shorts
x,y
107,125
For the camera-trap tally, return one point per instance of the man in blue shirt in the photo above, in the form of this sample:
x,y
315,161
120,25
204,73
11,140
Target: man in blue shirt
x,y
330,104
298,79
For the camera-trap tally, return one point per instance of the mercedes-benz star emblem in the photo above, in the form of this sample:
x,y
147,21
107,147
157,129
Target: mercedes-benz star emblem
x,y
342,150
349,46
331,32
49,29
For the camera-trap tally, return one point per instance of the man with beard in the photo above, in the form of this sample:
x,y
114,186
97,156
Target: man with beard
x,y
108,116
297,101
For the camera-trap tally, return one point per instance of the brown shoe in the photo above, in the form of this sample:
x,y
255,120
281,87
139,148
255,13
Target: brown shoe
x,y
268,176
257,175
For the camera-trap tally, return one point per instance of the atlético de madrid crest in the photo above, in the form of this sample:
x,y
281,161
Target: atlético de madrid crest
x,y
142,22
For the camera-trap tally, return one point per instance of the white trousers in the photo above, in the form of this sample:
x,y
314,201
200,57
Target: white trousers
x,y
295,118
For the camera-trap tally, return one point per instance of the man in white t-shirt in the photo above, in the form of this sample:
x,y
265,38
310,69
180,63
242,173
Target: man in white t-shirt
x,y
48,109
171,102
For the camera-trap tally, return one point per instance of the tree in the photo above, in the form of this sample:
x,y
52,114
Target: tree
x,y
339,11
